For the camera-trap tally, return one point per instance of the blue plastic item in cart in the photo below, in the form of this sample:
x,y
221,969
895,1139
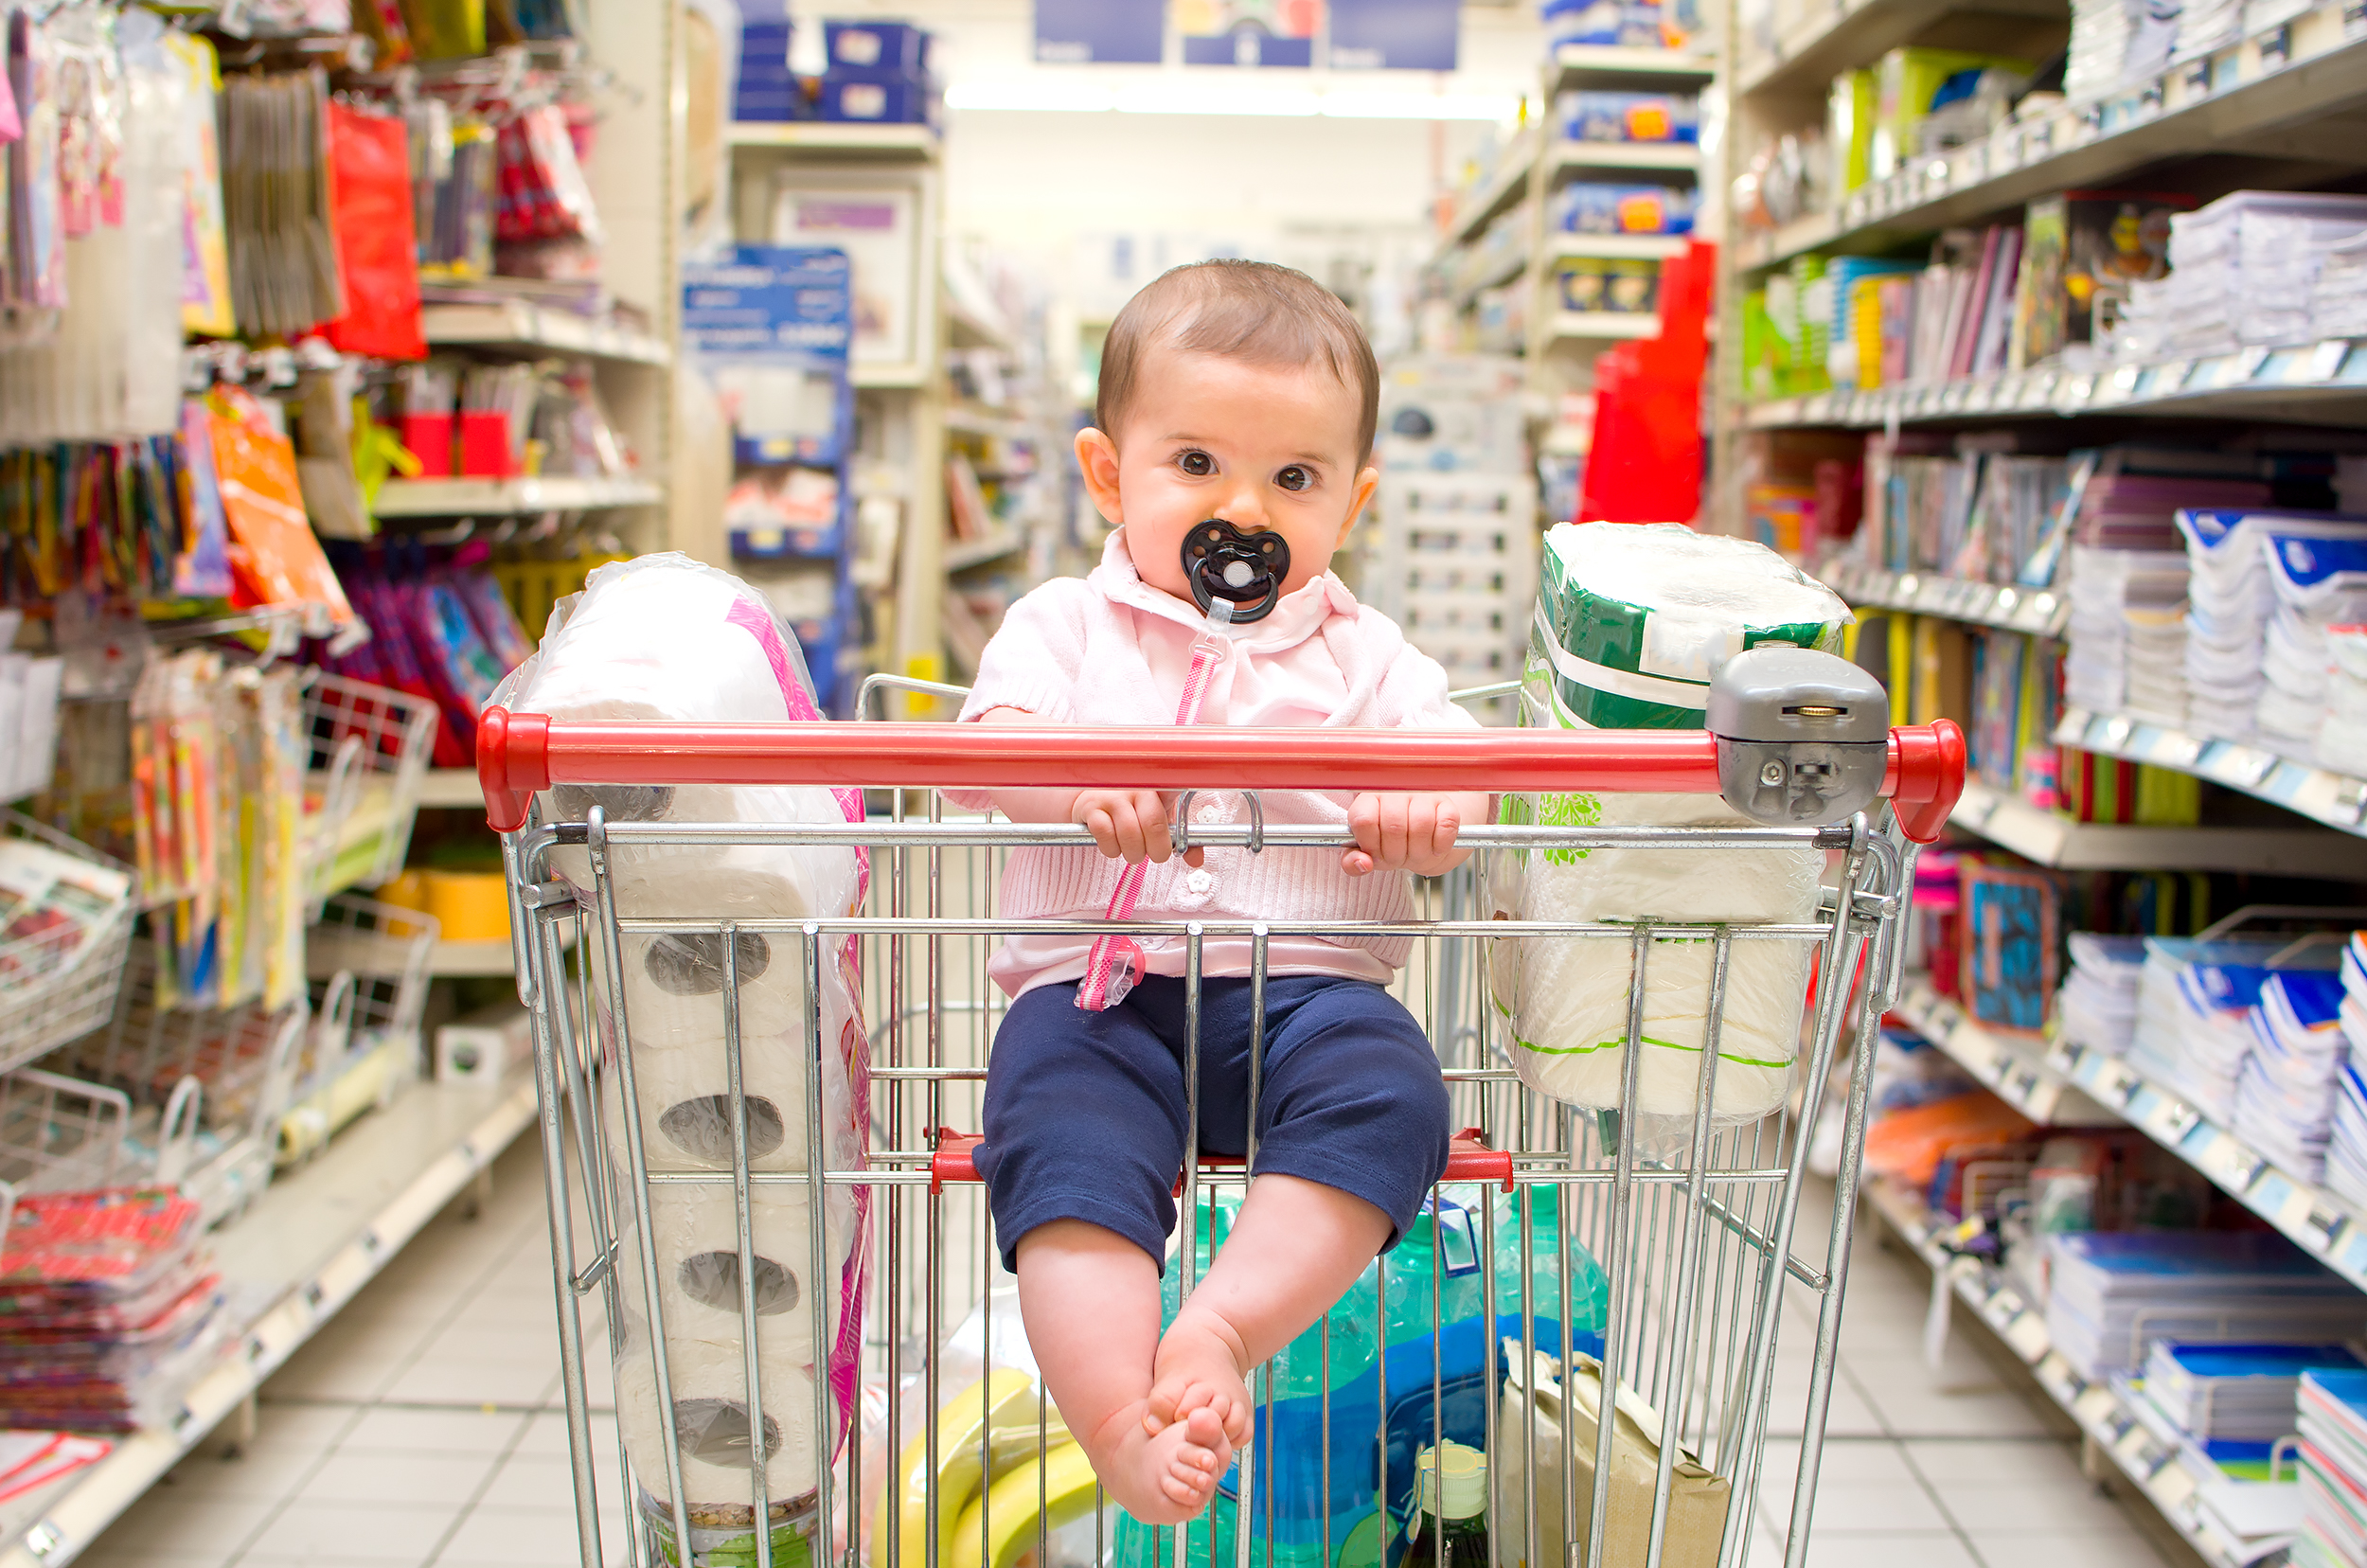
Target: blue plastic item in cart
x,y
1428,1384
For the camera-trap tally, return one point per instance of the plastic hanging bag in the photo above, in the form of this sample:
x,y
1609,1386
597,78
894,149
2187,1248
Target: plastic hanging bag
x,y
369,160
1631,623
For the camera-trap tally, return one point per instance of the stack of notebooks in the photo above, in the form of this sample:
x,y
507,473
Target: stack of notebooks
x,y
2231,600
2346,1141
2241,271
2098,1005
2286,1092
2319,580
2107,585
2115,1292
2194,1005
2332,1416
2337,296
2235,1400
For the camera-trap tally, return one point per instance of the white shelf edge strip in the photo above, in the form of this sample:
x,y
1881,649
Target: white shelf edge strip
x,y
2331,798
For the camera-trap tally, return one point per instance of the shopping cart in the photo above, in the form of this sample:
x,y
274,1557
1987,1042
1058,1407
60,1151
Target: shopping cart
x,y
1689,1250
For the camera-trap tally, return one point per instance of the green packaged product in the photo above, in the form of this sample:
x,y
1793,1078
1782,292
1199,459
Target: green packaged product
x,y
1632,620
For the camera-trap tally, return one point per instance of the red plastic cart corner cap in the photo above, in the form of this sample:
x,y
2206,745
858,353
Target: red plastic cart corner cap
x,y
512,762
1927,776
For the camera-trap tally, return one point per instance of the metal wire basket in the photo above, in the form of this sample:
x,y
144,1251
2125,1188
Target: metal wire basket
x,y
62,980
368,962
370,748
245,1057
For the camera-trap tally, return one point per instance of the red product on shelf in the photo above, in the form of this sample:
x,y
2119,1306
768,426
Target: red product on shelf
x,y
369,164
1644,462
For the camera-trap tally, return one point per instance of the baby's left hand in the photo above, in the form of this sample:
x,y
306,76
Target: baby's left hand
x,y
1404,832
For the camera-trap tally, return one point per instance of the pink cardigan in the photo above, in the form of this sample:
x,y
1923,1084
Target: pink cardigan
x,y
1111,649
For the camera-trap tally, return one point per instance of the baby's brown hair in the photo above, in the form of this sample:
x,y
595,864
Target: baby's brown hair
x,y
1250,311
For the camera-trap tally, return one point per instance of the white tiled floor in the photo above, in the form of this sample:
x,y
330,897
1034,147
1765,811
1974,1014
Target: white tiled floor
x,y
425,1427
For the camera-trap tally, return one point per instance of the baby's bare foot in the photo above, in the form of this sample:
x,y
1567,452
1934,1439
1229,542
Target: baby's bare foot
x,y
1199,1367
1162,1477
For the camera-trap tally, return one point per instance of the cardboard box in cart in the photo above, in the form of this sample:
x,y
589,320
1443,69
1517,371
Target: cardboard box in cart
x,y
1697,1499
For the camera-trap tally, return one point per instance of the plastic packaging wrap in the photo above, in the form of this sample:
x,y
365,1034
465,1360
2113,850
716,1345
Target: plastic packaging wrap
x,y
1631,624
665,638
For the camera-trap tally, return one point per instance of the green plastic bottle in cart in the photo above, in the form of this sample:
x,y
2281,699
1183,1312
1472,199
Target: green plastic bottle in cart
x,y
1391,1394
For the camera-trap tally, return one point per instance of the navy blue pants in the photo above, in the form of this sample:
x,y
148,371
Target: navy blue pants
x,y
1085,1113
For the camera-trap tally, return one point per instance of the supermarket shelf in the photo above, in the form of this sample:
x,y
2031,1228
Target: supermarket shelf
x,y
2035,611
2155,1467
1611,154
2018,1073
2276,78
2329,797
311,1242
833,137
891,378
450,787
508,497
1507,267
960,556
1598,326
1505,186
472,960
968,421
1851,33
2322,382
2321,1224
973,328
2057,840
1807,233
517,324
1615,247
1577,63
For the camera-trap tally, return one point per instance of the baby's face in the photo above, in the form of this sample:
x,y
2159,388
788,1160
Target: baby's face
x,y
1263,447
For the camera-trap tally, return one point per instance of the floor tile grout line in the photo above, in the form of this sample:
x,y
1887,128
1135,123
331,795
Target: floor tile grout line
x,y
1940,1502
491,1471
466,1296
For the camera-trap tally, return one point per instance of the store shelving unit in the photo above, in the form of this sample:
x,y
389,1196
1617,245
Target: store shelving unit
x,y
509,497
1560,345
308,1244
2016,1071
2108,1418
528,328
2334,799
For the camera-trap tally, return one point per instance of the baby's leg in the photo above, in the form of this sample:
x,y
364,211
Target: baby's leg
x,y
1083,1131
1091,1302
1352,1133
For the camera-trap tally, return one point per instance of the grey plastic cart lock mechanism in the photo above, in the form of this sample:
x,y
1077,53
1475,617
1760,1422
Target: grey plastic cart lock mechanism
x,y
1246,569
1803,736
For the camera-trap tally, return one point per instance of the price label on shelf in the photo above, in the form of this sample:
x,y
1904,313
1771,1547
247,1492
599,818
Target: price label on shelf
x,y
2252,361
2197,80
2173,376
2325,360
2174,750
2112,733
2276,46
2245,767
2125,381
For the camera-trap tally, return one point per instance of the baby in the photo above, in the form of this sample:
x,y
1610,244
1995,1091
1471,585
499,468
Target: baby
x,y
1242,393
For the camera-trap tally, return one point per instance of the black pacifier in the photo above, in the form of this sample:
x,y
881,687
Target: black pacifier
x,y
1245,570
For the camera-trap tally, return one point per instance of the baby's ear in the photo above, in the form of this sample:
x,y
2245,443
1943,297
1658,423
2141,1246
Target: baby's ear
x,y
1367,481
1097,461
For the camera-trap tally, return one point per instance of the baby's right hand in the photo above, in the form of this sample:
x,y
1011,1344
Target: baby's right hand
x,y
1132,824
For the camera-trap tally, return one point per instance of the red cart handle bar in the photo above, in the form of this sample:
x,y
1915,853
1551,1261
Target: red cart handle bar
x,y
520,753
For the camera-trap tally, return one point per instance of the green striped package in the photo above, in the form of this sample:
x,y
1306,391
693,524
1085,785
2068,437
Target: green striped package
x,y
1632,619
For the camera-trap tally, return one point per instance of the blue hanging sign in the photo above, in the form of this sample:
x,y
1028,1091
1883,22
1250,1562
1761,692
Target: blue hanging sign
x,y
1396,35
1100,32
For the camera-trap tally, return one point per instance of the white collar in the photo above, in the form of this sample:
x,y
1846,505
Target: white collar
x,y
1298,617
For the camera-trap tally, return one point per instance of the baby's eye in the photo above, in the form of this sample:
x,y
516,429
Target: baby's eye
x,y
1295,478
1197,464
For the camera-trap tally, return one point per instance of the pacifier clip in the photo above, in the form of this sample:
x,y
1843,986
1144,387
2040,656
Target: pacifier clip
x,y
1236,577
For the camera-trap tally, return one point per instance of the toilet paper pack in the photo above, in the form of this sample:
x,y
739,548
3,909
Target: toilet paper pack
x,y
665,638
708,1379
696,1232
1631,624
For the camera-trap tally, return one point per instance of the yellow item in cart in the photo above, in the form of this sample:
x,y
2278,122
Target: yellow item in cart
x,y
964,1422
1057,1488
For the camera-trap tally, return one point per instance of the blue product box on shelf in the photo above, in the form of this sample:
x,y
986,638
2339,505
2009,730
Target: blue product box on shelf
x,y
874,50
1587,206
1608,117
906,100
771,103
768,326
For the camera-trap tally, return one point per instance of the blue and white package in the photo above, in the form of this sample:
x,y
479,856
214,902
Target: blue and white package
x,y
1608,117
769,325
1586,206
2324,579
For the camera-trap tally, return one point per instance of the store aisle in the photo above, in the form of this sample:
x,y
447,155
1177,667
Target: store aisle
x,y
423,1427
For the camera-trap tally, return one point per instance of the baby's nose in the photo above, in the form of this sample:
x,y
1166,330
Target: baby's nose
x,y
1245,509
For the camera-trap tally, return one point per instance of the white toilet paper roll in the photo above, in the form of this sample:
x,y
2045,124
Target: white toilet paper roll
x,y
705,883
673,986
683,1095
708,1381
1568,997
698,1263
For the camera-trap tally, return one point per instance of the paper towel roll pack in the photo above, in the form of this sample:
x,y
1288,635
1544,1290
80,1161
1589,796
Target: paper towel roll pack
x,y
697,1232
1631,624
708,1379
